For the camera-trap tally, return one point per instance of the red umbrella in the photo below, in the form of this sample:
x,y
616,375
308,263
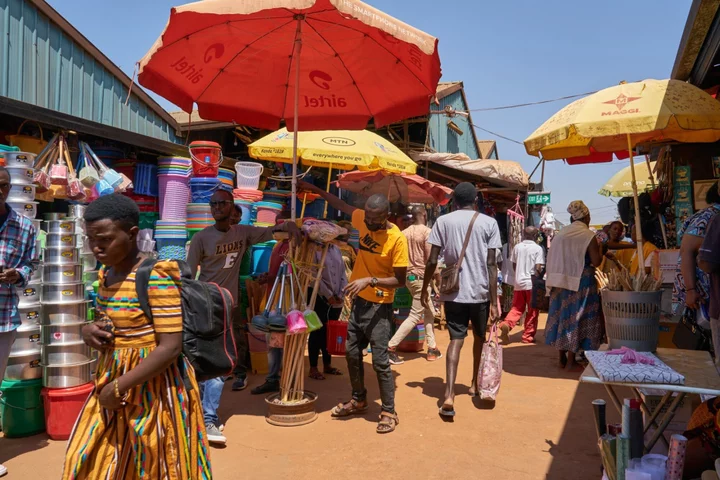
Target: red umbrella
x,y
398,187
240,61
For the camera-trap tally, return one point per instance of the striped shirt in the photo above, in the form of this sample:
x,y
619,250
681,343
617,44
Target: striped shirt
x,y
17,250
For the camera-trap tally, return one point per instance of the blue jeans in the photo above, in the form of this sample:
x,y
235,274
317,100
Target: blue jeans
x,y
275,358
210,392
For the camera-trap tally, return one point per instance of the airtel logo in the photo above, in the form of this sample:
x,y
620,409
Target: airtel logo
x,y
320,79
215,50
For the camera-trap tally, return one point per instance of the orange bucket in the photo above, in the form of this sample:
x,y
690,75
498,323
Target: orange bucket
x,y
206,157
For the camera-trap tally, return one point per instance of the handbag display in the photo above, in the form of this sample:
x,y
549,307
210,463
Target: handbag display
x,y
689,335
450,276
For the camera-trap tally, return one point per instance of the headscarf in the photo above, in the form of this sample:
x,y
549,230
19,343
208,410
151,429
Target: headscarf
x,y
577,210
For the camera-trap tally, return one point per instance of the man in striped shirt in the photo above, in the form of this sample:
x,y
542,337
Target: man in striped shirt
x,y
17,249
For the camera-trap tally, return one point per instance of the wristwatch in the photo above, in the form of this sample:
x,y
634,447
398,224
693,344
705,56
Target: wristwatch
x,y
373,282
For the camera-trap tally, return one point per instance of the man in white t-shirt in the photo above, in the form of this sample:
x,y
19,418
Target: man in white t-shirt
x,y
476,300
527,259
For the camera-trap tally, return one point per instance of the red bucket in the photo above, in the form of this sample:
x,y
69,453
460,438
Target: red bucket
x,y
62,408
207,157
336,337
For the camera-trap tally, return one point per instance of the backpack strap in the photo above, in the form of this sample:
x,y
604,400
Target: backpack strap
x,y
142,281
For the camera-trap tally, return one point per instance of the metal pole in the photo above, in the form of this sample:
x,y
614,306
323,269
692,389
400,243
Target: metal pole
x,y
638,230
296,55
542,176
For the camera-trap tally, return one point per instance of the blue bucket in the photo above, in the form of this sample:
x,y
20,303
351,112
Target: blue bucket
x,y
202,188
261,257
247,212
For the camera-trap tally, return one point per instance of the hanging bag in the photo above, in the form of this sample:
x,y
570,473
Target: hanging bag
x,y
491,364
88,173
59,171
27,143
450,276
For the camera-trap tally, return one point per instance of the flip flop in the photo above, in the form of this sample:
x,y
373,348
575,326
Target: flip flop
x,y
446,413
332,371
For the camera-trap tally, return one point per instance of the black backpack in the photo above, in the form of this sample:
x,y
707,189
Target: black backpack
x,y
208,340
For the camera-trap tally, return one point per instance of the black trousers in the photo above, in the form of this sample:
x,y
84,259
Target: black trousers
x,y
243,352
317,342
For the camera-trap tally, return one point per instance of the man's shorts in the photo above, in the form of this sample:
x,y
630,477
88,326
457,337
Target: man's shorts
x,y
459,315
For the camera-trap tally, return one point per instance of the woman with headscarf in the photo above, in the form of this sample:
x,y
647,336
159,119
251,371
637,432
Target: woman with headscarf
x,y
574,321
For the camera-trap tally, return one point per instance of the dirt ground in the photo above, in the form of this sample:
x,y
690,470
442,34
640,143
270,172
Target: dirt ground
x,y
541,427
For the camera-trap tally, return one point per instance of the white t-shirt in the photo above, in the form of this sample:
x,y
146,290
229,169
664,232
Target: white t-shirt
x,y
449,234
508,273
526,255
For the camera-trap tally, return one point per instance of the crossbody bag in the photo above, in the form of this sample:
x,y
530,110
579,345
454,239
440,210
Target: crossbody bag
x,y
450,276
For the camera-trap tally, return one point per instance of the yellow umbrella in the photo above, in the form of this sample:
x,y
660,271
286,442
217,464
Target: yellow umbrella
x,y
341,149
620,184
619,118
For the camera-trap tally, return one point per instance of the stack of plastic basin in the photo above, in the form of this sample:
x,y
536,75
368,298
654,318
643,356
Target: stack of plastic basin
x,y
227,178
267,212
249,213
170,238
199,216
202,188
173,187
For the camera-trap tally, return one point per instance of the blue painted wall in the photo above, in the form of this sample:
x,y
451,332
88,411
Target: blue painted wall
x,y
43,66
444,140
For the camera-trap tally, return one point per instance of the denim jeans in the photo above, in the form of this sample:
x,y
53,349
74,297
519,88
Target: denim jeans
x,y
275,359
210,392
370,323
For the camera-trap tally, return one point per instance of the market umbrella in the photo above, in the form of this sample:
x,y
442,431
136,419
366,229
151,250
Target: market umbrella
x,y
620,184
615,120
405,188
241,61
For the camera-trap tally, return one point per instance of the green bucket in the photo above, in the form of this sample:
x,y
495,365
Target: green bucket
x,y
246,263
22,412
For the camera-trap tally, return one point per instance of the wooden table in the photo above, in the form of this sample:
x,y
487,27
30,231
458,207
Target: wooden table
x,y
701,378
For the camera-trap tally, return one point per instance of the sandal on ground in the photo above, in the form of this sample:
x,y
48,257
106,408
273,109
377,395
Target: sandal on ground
x,y
350,408
447,411
387,422
316,375
331,371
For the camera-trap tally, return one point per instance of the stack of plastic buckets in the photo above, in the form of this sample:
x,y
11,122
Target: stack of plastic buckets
x,y
173,186
170,238
247,199
227,178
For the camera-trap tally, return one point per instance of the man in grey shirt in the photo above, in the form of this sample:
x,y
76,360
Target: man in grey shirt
x,y
476,299
217,251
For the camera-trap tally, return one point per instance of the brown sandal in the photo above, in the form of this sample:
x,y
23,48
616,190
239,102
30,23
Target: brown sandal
x,y
349,408
387,422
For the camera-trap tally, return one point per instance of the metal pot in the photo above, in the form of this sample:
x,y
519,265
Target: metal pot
x,y
62,274
90,276
37,223
19,159
65,354
21,193
27,209
21,175
61,256
62,334
89,261
66,376
77,211
60,227
24,366
63,293
30,315
62,313
56,240
53,216
30,295
27,339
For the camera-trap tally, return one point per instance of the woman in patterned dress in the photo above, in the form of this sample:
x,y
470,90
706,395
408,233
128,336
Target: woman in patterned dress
x,y
574,322
144,419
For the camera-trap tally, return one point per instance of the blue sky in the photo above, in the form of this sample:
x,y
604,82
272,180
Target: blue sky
x,y
506,52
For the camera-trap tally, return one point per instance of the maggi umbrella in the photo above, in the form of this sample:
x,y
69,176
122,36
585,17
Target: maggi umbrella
x,y
404,188
317,64
615,120
620,184
341,149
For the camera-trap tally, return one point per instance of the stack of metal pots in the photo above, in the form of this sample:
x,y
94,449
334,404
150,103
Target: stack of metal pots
x,y
67,361
24,361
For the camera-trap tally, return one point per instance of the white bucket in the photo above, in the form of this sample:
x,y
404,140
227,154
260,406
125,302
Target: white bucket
x,y
248,175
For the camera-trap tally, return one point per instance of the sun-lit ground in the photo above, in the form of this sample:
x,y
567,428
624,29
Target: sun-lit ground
x,y
540,427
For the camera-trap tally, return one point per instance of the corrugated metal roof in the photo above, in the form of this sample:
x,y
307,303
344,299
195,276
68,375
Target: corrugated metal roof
x,y
46,62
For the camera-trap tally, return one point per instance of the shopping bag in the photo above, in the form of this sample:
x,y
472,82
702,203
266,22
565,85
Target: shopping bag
x,y
490,371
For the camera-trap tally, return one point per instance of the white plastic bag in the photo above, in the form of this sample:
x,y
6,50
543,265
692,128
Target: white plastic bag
x,y
490,372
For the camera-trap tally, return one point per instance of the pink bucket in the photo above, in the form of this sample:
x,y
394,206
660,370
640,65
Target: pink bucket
x,y
174,195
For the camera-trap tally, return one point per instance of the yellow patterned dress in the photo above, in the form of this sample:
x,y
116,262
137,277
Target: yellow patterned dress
x,y
160,434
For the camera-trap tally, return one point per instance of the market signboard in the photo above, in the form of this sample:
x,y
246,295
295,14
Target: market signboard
x,y
539,198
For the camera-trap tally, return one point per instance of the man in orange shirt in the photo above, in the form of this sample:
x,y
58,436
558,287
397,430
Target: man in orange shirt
x,y
381,267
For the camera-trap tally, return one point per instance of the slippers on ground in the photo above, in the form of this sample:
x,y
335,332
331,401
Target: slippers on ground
x,y
332,371
449,413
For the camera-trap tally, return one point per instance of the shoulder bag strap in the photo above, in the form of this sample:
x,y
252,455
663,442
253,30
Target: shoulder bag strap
x,y
467,240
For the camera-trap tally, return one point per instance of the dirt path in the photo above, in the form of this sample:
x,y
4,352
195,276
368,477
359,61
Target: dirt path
x,y
541,427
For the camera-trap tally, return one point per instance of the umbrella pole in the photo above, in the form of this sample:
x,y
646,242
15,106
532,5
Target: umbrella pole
x,y
296,54
327,189
638,230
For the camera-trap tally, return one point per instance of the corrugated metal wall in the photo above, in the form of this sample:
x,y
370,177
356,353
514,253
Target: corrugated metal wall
x,y
444,140
42,66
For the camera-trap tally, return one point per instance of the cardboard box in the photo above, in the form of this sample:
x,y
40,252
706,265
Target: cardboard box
x,y
652,397
667,330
